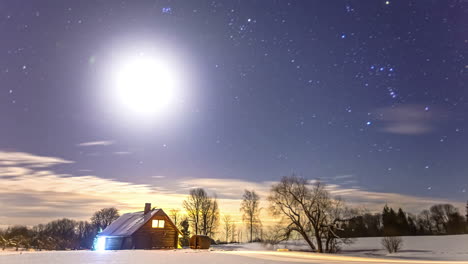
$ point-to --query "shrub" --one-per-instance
(392, 244)
(272, 236)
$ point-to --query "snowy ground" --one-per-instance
(442, 249)
(426, 247)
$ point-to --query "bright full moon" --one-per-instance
(145, 85)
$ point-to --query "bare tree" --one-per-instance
(210, 216)
(174, 214)
(287, 199)
(440, 214)
(227, 226)
(309, 210)
(202, 211)
(4, 242)
(193, 207)
(466, 217)
(250, 206)
(63, 233)
(425, 222)
(233, 233)
(86, 233)
(104, 217)
(392, 244)
(336, 214)
(276, 234)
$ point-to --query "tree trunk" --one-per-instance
(319, 240)
(307, 239)
(251, 230)
(327, 244)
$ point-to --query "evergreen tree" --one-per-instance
(402, 223)
(455, 224)
(184, 229)
(356, 227)
(390, 223)
(412, 228)
(373, 224)
(385, 218)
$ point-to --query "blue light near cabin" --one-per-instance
(100, 243)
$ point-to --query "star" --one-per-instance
(166, 10)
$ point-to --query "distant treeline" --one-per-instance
(59, 234)
(440, 219)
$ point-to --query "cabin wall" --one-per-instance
(148, 237)
(127, 243)
(114, 243)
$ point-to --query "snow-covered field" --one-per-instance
(426, 247)
(441, 249)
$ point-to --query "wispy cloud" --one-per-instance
(410, 119)
(29, 160)
(96, 143)
(31, 192)
(225, 188)
(121, 153)
(342, 177)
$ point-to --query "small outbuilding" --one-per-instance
(148, 229)
(200, 242)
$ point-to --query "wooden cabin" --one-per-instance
(148, 229)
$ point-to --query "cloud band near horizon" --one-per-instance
(32, 193)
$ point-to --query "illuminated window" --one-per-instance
(157, 224)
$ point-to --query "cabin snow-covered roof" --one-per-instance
(128, 223)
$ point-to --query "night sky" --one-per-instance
(365, 95)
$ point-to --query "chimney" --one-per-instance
(147, 207)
